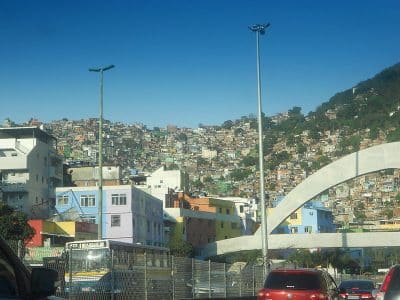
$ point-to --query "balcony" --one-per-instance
(55, 172)
(13, 187)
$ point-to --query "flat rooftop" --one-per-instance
(26, 132)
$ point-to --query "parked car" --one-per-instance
(390, 288)
(296, 284)
(19, 282)
(356, 289)
(205, 287)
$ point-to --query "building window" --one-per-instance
(241, 209)
(62, 200)
(293, 216)
(115, 220)
(308, 229)
(228, 212)
(118, 199)
(88, 201)
(222, 224)
(220, 210)
(294, 230)
(89, 219)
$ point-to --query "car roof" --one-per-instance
(300, 270)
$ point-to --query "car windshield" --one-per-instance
(362, 285)
(294, 281)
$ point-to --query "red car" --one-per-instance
(390, 288)
(299, 284)
(356, 289)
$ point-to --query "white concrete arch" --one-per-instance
(381, 157)
(376, 158)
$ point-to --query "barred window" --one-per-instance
(88, 201)
(115, 220)
(62, 200)
(89, 219)
(118, 199)
(293, 216)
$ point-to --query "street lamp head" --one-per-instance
(101, 69)
(94, 69)
(108, 67)
(259, 28)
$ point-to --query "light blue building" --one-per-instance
(313, 217)
(129, 214)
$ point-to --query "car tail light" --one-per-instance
(263, 294)
(318, 296)
(342, 295)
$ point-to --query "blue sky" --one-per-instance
(186, 62)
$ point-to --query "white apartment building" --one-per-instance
(30, 170)
(160, 181)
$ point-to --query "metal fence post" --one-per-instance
(173, 277)
(145, 275)
(193, 281)
(254, 280)
(112, 274)
(225, 281)
(209, 278)
(70, 271)
(240, 281)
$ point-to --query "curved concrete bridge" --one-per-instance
(381, 157)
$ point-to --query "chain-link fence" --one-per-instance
(178, 278)
(120, 275)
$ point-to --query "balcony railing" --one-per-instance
(13, 186)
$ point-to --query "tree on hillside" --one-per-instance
(178, 246)
(249, 161)
(14, 224)
(227, 124)
(240, 174)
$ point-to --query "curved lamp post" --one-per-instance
(100, 204)
(260, 29)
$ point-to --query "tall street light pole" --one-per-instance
(100, 204)
(260, 29)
